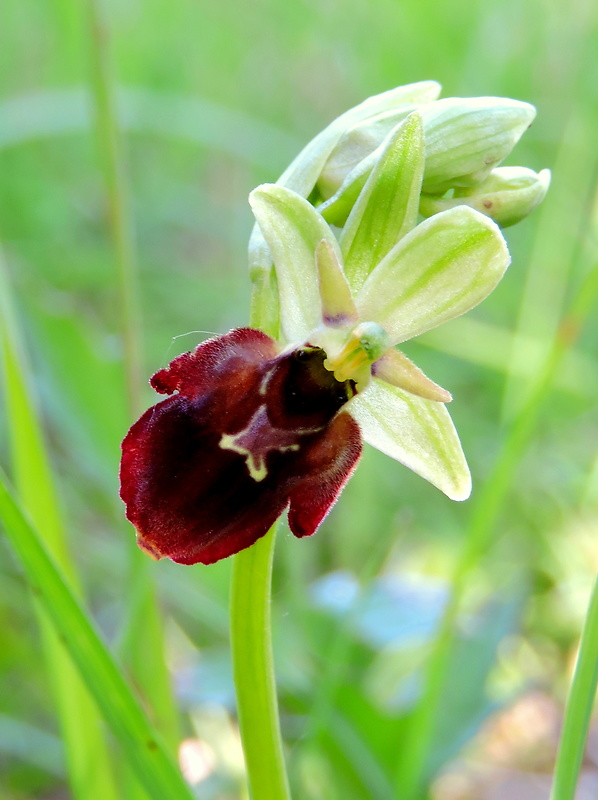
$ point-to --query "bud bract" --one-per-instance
(507, 195)
(466, 138)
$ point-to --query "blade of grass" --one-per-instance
(87, 756)
(548, 275)
(113, 171)
(579, 708)
(142, 643)
(141, 744)
(45, 113)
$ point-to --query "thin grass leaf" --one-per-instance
(140, 743)
(87, 757)
(579, 708)
(143, 639)
(489, 503)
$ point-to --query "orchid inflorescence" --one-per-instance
(343, 273)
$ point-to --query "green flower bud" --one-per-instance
(507, 195)
(465, 139)
(359, 141)
(302, 174)
(357, 144)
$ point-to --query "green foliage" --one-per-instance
(216, 99)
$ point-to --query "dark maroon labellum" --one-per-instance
(250, 431)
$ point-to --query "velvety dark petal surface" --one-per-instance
(328, 465)
(206, 472)
(240, 351)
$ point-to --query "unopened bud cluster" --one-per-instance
(465, 140)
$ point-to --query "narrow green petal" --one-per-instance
(386, 208)
(419, 433)
(395, 368)
(444, 267)
(293, 229)
(338, 307)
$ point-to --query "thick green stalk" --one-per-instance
(251, 634)
(579, 708)
(251, 642)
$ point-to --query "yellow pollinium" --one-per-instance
(366, 343)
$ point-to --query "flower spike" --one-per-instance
(253, 426)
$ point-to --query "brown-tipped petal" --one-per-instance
(395, 368)
(338, 307)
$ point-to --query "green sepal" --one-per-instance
(387, 206)
(441, 269)
(292, 229)
(417, 432)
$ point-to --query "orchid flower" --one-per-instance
(254, 425)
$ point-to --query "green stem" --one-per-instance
(251, 627)
(253, 668)
(579, 708)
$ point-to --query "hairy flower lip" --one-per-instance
(206, 472)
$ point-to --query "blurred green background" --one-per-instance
(214, 99)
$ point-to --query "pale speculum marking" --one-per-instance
(257, 440)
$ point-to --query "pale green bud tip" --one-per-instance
(508, 195)
(468, 137)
